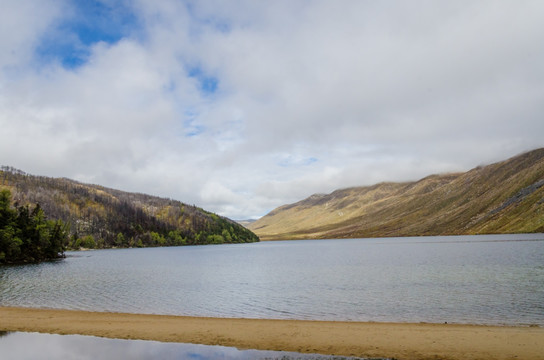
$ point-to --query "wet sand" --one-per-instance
(401, 341)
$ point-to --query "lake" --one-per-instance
(491, 279)
(66, 347)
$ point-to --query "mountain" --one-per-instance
(245, 222)
(505, 197)
(97, 216)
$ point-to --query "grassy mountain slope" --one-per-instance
(505, 197)
(108, 217)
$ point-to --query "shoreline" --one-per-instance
(402, 341)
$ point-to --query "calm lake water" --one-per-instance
(67, 347)
(462, 279)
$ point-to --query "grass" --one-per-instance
(450, 204)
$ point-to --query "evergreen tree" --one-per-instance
(27, 236)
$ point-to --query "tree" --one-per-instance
(9, 243)
(7, 214)
(226, 235)
(215, 239)
(120, 240)
(87, 242)
(175, 239)
(27, 236)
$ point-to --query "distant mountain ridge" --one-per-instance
(505, 197)
(245, 222)
(102, 217)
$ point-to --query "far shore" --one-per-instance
(401, 341)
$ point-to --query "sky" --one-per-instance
(242, 106)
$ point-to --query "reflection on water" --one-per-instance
(23, 346)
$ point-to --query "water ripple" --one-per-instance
(434, 280)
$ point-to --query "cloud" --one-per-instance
(22, 24)
(243, 106)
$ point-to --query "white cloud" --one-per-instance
(242, 106)
(22, 24)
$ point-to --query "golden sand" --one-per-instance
(393, 340)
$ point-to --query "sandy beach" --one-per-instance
(393, 340)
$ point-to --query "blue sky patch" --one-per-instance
(215, 21)
(310, 160)
(207, 84)
(89, 22)
(291, 160)
(190, 124)
(194, 130)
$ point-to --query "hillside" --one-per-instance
(505, 197)
(101, 217)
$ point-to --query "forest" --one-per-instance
(97, 217)
(26, 235)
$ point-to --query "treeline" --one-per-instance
(26, 235)
(99, 217)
